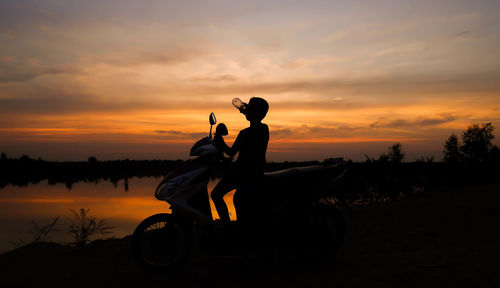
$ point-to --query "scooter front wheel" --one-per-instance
(160, 241)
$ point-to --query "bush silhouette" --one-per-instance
(39, 233)
(395, 154)
(83, 227)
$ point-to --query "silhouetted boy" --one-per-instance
(251, 144)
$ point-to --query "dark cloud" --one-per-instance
(461, 33)
(219, 78)
(58, 104)
(181, 135)
(306, 131)
(167, 57)
(53, 100)
(333, 104)
(383, 86)
(281, 133)
(174, 15)
(416, 123)
(17, 73)
(389, 91)
(39, 99)
(13, 71)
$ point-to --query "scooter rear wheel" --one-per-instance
(161, 242)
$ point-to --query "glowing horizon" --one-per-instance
(122, 79)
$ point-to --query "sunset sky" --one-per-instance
(138, 79)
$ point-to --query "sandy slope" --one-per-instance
(436, 239)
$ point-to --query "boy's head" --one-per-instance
(256, 109)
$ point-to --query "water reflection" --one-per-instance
(123, 204)
(43, 202)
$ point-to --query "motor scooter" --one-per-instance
(296, 216)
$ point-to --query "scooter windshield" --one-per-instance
(239, 104)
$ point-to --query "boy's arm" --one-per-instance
(234, 149)
(221, 143)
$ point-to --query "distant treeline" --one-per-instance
(472, 160)
(375, 179)
(24, 170)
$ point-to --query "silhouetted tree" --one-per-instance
(477, 142)
(4, 157)
(452, 151)
(395, 154)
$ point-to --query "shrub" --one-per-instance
(83, 227)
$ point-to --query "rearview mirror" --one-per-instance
(212, 119)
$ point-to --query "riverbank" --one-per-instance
(434, 239)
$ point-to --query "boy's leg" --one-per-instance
(225, 185)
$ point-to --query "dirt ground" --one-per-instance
(444, 238)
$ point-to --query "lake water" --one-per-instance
(122, 208)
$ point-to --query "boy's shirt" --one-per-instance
(251, 143)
